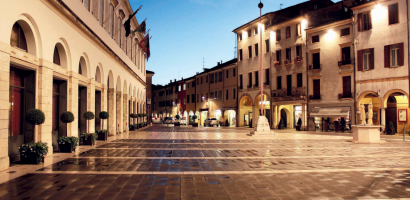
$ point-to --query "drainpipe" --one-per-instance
(354, 75)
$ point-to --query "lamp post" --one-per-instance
(260, 5)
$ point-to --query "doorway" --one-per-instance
(284, 117)
(59, 129)
(97, 110)
(391, 112)
(289, 85)
(82, 108)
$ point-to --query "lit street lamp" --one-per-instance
(260, 5)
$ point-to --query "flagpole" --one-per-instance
(260, 5)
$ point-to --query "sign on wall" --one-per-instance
(149, 101)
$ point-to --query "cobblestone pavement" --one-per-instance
(163, 162)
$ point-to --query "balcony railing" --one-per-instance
(298, 59)
(345, 96)
(315, 67)
(256, 85)
(287, 62)
(315, 97)
(249, 86)
(345, 62)
(277, 63)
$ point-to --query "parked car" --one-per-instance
(156, 120)
(183, 121)
(169, 120)
(211, 122)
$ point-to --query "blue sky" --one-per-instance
(186, 31)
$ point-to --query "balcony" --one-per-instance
(277, 63)
(315, 67)
(315, 97)
(345, 96)
(298, 59)
(282, 94)
(344, 62)
(287, 62)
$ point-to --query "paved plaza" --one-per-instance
(164, 162)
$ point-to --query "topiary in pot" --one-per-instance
(67, 117)
(35, 117)
(104, 115)
(88, 116)
(195, 123)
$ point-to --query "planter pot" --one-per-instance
(31, 159)
(102, 136)
(65, 148)
(132, 128)
(298, 128)
(195, 125)
(88, 141)
(139, 125)
(177, 124)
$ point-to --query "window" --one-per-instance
(257, 79)
(101, 13)
(240, 36)
(226, 95)
(278, 55)
(315, 38)
(179, 88)
(240, 54)
(220, 76)
(250, 51)
(206, 79)
(249, 32)
(289, 54)
(394, 57)
(212, 95)
(240, 81)
(256, 30)
(112, 20)
(316, 89)
(315, 7)
(184, 101)
(288, 32)
(289, 85)
(267, 81)
(345, 31)
(299, 51)
(266, 25)
(366, 57)
(346, 54)
(347, 89)
(364, 21)
(119, 31)
(193, 83)
(184, 86)
(234, 72)
(56, 57)
(87, 4)
(256, 50)
(316, 60)
(234, 93)
(250, 80)
(299, 80)
(18, 38)
(220, 94)
(267, 45)
(394, 14)
(212, 78)
(279, 82)
(298, 30)
(278, 35)
(227, 73)
(193, 98)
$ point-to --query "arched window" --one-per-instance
(56, 56)
(80, 70)
(18, 39)
(101, 13)
(112, 20)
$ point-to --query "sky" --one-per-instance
(184, 32)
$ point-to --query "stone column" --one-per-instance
(118, 123)
(275, 116)
(72, 87)
(126, 115)
(112, 111)
(4, 105)
(91, 105)
(45, 102)
(383, 116)
(104, 104)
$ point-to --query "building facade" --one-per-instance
(67, 56)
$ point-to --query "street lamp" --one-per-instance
(260, 5)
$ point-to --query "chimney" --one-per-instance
(170, 81)
(182, 78)
(219, 63)
(175, 80)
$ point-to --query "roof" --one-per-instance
(220, 66)
(150, 72)
(329, 15)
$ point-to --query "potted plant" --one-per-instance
(103, 134)
(195, 124)
(33, 153)
(88, 138)
(67, 144)
(177, 122)
(299, 124)
(67, 117)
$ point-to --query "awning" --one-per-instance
(203, 109)
(330, 112)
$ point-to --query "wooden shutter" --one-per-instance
(359, 22)
(370, 20)
(360, 60)
(371, 59)
(401, 54)
(387, 56)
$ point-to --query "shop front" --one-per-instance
(333, 119)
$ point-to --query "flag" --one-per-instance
(144, 44)
(140, 28)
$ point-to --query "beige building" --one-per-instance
(66, 56)
(190, 97)
(382, 67)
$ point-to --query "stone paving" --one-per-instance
(163, 162)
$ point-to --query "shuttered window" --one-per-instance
(393, 55)
(364, 21)
(249, 33)
(394, 13)
(240, 54)
(347, 89)
(316, 89)
(299, 80)
(279, 82)
(101, 13)
(278, 35)
(278, 56)
(250, 51)
(365, 59)
(288, 32)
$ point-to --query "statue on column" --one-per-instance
(362, 115)
(370, 108)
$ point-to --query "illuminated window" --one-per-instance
(366, 57)
(394, 57)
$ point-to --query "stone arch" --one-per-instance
(257, 95)
(288, 116)
(242, 98)
(390, 92)
(63, 53)
(98, 74)
(363, 95)
(31, 33)
(110, 80)
(85, 66)
(118, 86)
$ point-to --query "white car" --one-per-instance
(211, 122)
(182, 121)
